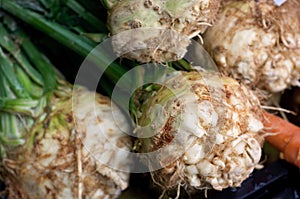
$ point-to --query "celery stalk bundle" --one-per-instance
(43, 140)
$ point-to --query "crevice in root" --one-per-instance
(4, 192)
(13, 189)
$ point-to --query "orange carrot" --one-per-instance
(285, 136)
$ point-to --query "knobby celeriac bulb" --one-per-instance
(163, 28)
(71, 153)
(204, 129)
(257, 42)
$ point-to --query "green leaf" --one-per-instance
(34, 90)
(88, 17)
(24, 106)
(41, 62)
(7, 72)
(7, 43)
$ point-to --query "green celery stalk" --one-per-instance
(90, 19)
(65, 37)
(9, 45)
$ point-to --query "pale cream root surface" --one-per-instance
(167, 26)
(68, 162)
(257, 43)
(207, 136)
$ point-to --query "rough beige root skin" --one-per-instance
(61, 158)
(169, 26)
(207, 136)
(257, 43)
